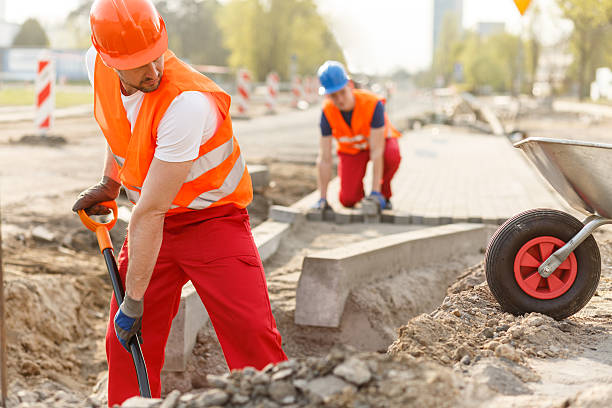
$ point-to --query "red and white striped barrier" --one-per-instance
(243, 82)
(311, 89)
(297, 90)
(45, 95)
(272, 85)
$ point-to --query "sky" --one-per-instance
(377, 36)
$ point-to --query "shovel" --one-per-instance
(106, 247)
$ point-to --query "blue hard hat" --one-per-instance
(332, 76)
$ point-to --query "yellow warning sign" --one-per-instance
(522, 5)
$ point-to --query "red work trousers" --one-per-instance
(352, 168)
(213, 248)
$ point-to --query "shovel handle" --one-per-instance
(101, 229)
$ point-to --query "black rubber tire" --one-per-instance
(516, 232)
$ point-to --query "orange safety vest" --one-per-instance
(218, 176)
(355, 138)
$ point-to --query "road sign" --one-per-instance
(522, 5)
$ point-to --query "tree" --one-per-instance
(31, 34)
(193, 30)
(193, 33)
(589, 38)
(265, 36)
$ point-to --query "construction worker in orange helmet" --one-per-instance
(170, 144)
(356, 119)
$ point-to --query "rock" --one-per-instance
(282, 392)
(325, 387)
(261, 378)
(507, 351)
(212, 397)
(491, 345)
(282, 374)
(239, 399)
(140, 402)
(42, 234)
(457, 313)
(171, 400)
(466, 360)
(354, 371)
(218, 381)
(27, 396)
(499, 379)
(29, 368)
(487, 332)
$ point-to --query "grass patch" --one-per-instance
(20, 96)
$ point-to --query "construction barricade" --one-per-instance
(243, 84)
(45, 95)
(272, 89)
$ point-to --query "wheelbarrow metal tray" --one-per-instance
(580, 171)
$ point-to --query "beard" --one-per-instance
(146, 86)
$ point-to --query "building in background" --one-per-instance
(441, 9)
(487, 28)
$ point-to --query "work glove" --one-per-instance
(128, 320)
(322, 204)
(106, 190)
(379, 198)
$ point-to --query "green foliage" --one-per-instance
(265, 36)
(590, 39)
(193, 31)
(261, 35)
(495, 62)
(31, 34)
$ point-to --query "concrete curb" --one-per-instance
(328, 277)
(191, 317)
(260, 175)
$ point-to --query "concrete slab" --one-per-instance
(281, 213)
(190, 318)
(267, 237)
(328, 277)
(260, 175)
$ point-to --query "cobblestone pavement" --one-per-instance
(450, 174)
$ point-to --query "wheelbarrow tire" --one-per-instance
(518, 231)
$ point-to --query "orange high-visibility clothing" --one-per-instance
(218, 176)
(355, 138)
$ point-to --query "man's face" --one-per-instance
(343, 99)
(145, 78)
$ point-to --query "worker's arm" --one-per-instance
(324, 164)
(111, 169)
(145, 230)
(377, 148)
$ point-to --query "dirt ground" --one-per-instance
(455, 349)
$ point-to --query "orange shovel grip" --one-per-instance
(101, 229)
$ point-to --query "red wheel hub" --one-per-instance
(531, 256)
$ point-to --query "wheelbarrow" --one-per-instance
(106, 247)
(545, 260)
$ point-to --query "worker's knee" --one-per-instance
(348, 202)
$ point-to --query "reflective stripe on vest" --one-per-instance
(200, 166)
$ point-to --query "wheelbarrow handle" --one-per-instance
(101, 229)
(106, 247)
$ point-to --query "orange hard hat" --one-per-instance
(127, 33)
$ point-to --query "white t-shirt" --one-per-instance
(190, 120)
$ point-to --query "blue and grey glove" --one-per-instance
(128, 320)
(322, 204)
(378, 197)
